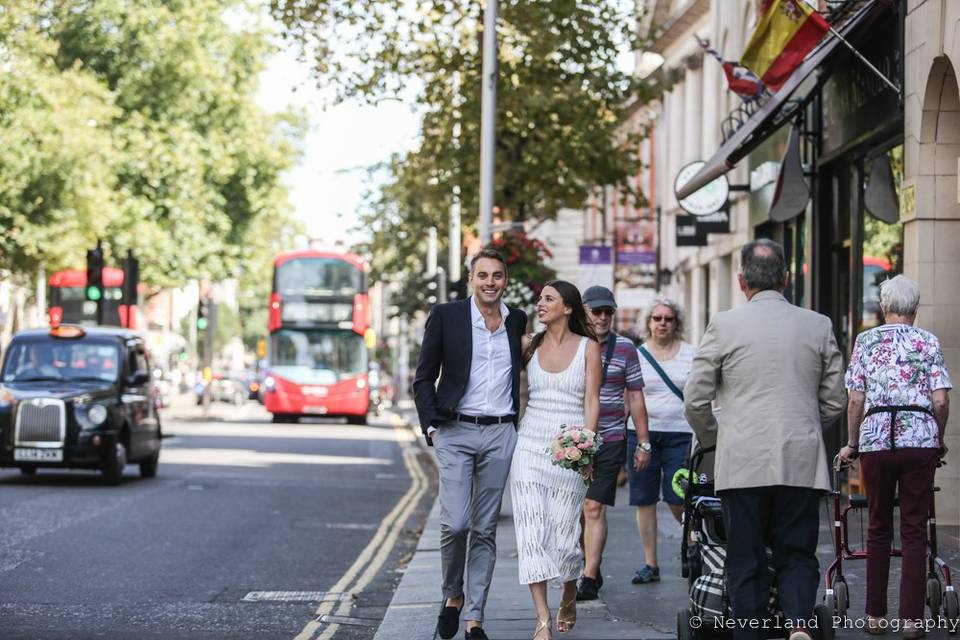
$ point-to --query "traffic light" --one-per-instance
(95, 274)
(203, 313)
(94, 292)
(435, 287)
(131, 281)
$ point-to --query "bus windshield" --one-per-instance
(318, 277)
(317, 357)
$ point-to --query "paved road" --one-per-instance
(325, 512)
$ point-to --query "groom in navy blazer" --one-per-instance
(470, 417)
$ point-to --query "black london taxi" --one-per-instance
(78, 397)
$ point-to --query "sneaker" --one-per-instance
(646, 574)
(588, 589)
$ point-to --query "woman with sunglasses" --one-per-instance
(665, 359)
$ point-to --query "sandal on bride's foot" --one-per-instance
(543, 625)
(567, 614)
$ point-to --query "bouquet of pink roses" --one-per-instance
(574, 448)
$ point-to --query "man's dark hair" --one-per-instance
(493, 254)
(763, 265)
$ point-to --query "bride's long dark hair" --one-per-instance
(577, 322)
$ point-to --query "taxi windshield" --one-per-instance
(51, 360)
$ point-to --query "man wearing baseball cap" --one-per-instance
(622, 381)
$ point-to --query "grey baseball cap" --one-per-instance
(597, 297)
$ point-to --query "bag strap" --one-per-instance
(663, 374)
(611, 345)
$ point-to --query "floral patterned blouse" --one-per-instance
(897, 364)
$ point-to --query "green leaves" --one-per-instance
(561, 100)
(134, 121)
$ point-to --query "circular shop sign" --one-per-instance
(709, 199)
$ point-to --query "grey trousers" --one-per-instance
(474, 462)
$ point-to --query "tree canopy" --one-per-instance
(134, 121)
(561, 101)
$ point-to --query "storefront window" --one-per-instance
(882, 249)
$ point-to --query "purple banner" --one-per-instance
(595, 254)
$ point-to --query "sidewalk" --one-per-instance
(509, 612)
(625, 610)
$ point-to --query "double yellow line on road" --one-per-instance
(375, 554)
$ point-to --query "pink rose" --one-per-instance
(583, 445)
(573, 454)
(559, 455)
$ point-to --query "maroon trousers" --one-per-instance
(884, 472)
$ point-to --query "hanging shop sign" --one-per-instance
(718, 222)
(689, 233)
(792, 195)
(709, 199)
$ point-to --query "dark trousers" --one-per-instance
(787, 520)
(912, 471)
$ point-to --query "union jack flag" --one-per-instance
(740, 80)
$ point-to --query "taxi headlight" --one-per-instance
(97, 414)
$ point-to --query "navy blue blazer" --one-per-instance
(446, 353)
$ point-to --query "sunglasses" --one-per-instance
(603, 312)
(666, 319)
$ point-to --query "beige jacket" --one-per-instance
(777, 376)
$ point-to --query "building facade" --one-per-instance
(879, 167)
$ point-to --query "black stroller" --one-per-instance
(703, 557)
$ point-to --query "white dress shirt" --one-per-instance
(490, 386)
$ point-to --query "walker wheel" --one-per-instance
(934, 596)
(824, 618)
(684, 630)
(951, 608)
(842, 597)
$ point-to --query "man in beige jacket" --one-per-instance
(776, 375)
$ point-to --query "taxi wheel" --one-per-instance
(113, 468)
(28, 471)
(360, 420)
(148, 468)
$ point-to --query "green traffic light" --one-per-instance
(93, 293)
(201, 324)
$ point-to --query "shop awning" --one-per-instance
(779, 108)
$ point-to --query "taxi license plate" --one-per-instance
(314, 409)
(39, 455)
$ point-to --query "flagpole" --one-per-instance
(864, 60)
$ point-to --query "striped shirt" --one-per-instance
(624, 373)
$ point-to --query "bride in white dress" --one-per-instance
(563, 378)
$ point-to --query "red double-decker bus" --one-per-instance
(318, 321)
(67, 299)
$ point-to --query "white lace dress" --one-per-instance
(547, 500)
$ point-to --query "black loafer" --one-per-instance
(588, 589)
(477, 633)
(448, 622)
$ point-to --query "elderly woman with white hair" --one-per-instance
(897, 412)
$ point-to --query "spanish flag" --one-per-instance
(786, 32)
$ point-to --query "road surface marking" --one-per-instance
(252, 458)
(377, 550)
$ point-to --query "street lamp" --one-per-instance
(488, 116)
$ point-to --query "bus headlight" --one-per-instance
(97, 414)
(269, 382)
(361, 383)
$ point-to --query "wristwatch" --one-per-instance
(646, 447)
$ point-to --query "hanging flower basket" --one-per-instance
(525, 266)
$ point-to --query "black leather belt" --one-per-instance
(484, 420)
(893, 411)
